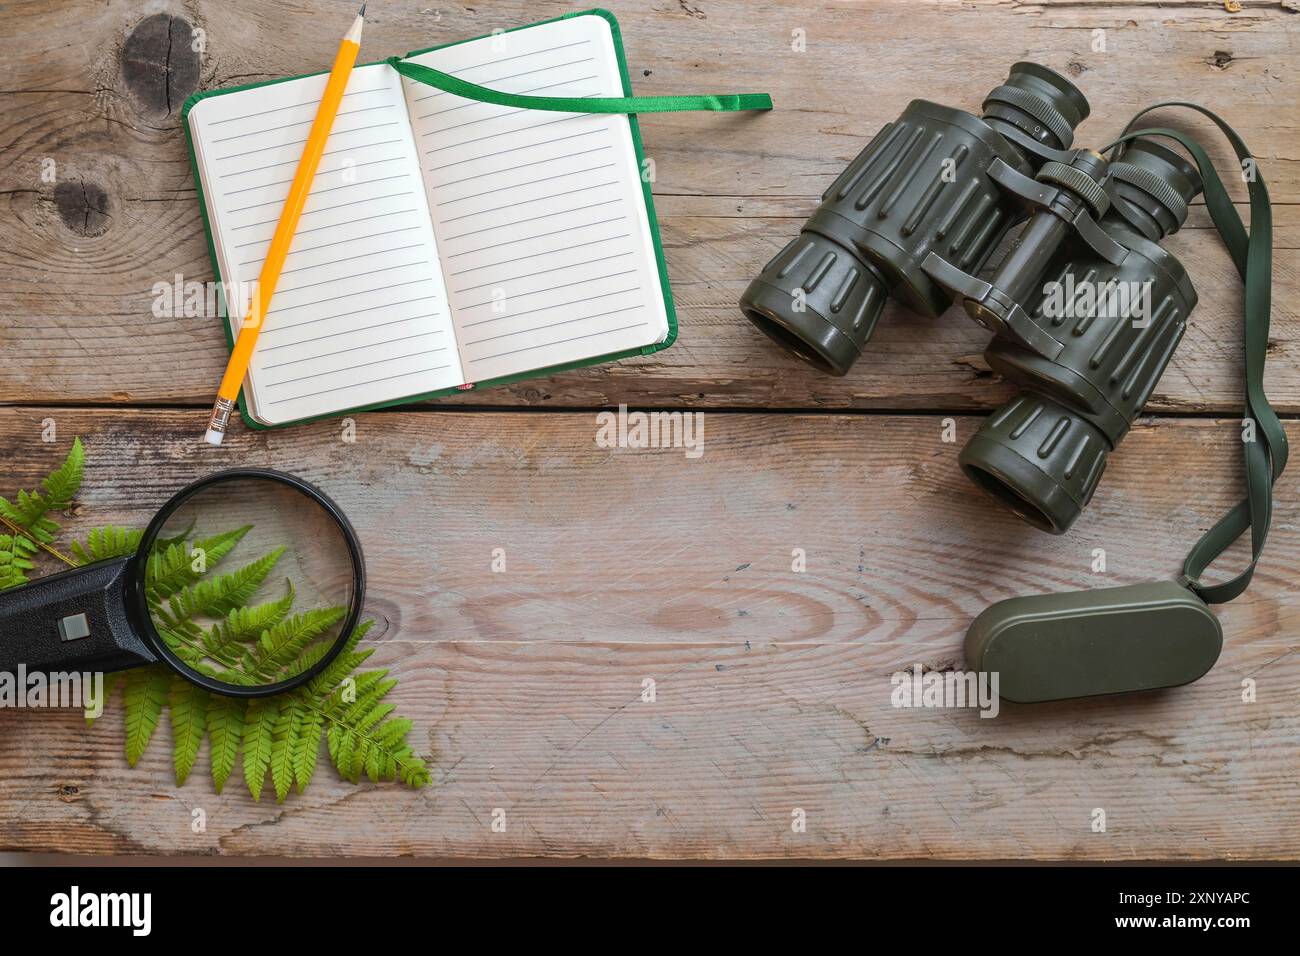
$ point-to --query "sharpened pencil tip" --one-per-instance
(362, 11)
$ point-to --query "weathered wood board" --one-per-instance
(772, 686)
(97, 90)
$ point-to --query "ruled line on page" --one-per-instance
(351, 385)
(362, 255)
(309, 212)
(497, 61)
(294, 161)
(503, 112)
(299, 142)
(553, 325)
(303, 232)
(515, 149)
(517, 222)
(510, 169)
(280, 328)
(279, 200)
(306, 122)
(349, 368)
(531, 182)
(355, 275)
(319, 173)
(352, 348)
(345, 332)
(540, 235)
(513, 76)
(531, 89)
(547, 308)
(548, 252)
(571, 118)
(550, 288)
(349, 295)
(542, 345)
(529, 275)
(336, 242)
(383, 87)
(510, 205)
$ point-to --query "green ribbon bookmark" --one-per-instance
(727, 102)
(1266, 455)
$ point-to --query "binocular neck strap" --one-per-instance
(728, 102)
(1264, 439)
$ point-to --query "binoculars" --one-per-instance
(1085, 306)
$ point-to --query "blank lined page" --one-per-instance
(540, 217)
(360, 313)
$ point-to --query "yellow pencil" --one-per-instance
(284, 230)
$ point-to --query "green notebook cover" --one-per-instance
(669, 308)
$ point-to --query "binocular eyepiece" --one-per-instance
(1086, 308)
(920, 186)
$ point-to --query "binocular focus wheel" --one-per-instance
(1079, 183)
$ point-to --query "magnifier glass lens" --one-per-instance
(249, 582)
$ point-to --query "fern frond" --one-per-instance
(166, 541)
(171, 566)
(284, 744)
(353, 742)
(307, 746)
(349, 659)
(280, 735)
(389, 736)
(30, 510)
(358, 738)
(15, 560)
(356, 742)
(107, 542)
(146, 692)
(167, 569)
(341, 706)
(307, 659)
(188, 707)
(222, 594)
(248, 623)
(412, 769)
(65, 481)
(279, 647)
(259, 734)
(225, 733)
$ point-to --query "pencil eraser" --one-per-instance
(213, 437)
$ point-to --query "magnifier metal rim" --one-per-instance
(150, 633)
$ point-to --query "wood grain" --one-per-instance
(772, 687)
(79, 256)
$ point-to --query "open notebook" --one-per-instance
(447, 243)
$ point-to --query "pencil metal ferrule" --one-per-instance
(221, 412)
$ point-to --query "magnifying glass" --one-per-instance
(247, 583)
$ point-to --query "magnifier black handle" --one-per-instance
(75, 620)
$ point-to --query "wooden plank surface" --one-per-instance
(773, 687)
(97, 87)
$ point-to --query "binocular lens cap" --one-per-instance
(1089, 643)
